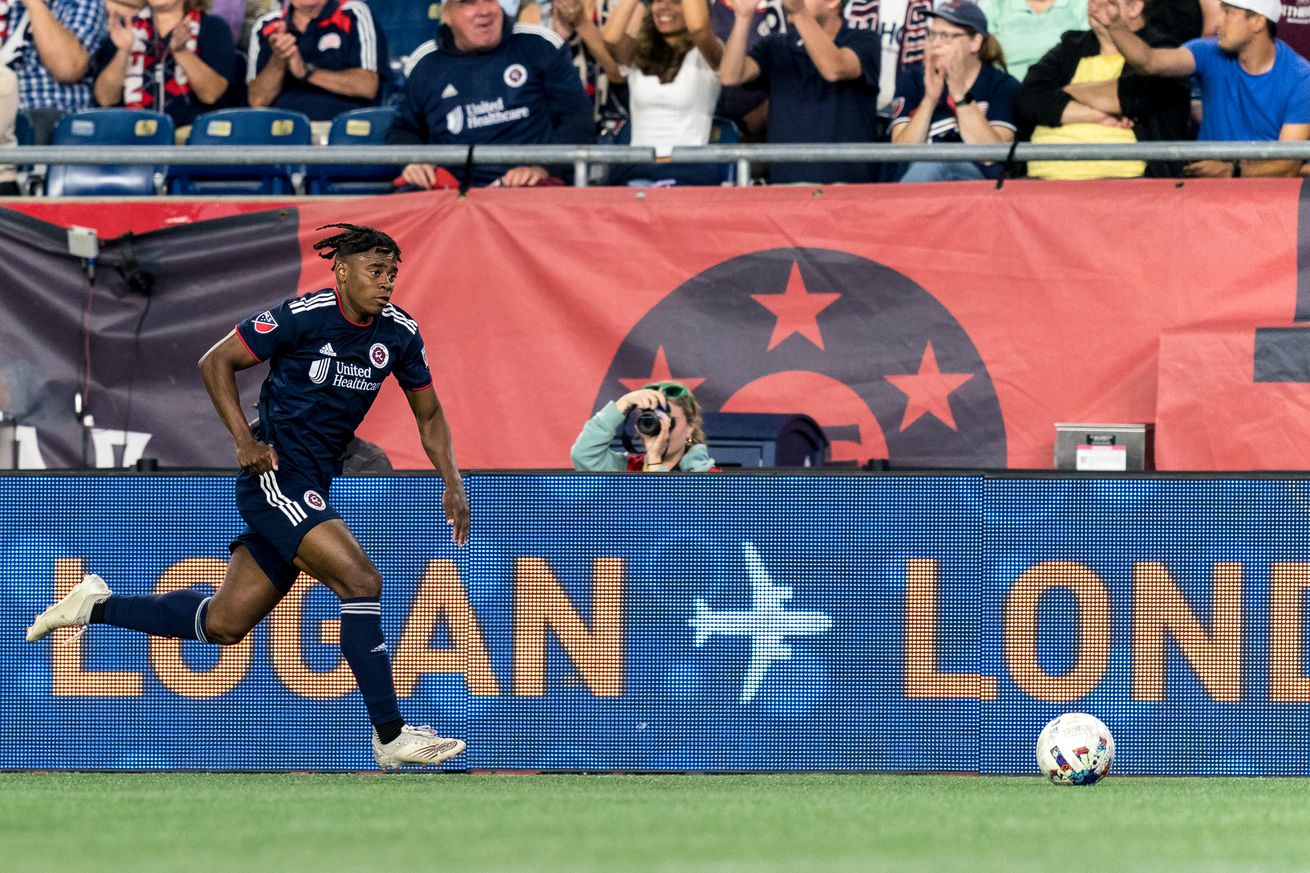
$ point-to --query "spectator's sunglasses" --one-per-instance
(673, 392)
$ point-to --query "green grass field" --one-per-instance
(362, 822)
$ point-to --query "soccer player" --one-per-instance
(328, 354)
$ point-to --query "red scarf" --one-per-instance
(153, 56)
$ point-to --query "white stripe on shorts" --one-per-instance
(273, 494)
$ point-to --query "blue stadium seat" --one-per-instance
(126, 127)
(29, 181)
(242, 127)
(356, 127)
(724, 132)
(406, 24)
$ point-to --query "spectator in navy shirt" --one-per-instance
(319, 57)
(960, 93)
(170, 57)
(822, 80)
(487, 81)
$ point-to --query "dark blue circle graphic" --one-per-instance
(866, 327)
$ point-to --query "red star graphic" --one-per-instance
(929, 390)
(660, 372)
(797, 310)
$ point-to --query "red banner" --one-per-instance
(934, 325)
(937, 325)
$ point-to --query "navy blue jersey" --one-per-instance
(804, 107)
(324, 372)
(994, 91)
(525, 91)
(342, 37)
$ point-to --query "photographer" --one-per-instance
(668, 424)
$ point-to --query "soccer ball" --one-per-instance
(1075, 749)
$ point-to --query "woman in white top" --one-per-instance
(670, 57)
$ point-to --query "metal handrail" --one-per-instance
(581, 157)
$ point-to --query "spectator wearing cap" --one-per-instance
(487, 81)
(822, 80)
(319, 57)
(1253, 85)
(960, 93)
(49, 45)
(1081, 92)
(1028, 29)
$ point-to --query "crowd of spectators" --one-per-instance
(669, 73)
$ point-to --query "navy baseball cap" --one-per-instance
(963, 13)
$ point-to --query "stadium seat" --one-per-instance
(406, 24)
(29, 179)
(242, 127)
(724, 132)
(356, 127)
(126, 127)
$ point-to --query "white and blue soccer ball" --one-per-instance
(1075, 749)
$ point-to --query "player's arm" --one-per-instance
(434, 432)
(218, 369)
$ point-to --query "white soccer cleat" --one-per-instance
(73, 609)
(415, 745)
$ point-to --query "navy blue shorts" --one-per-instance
(279, 508)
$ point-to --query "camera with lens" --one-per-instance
(649, 420)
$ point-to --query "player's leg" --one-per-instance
(244, 598)
(331, 554)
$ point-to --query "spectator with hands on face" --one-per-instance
(678, 443)
(960, 93)
(1081, 91)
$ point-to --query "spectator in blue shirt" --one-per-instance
(485, 80)
(170, 57)
(960, 93)
(1253, 85)
(319, 57)
(49, 44)
(822, 80)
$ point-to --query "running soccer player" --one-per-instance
(328, 353)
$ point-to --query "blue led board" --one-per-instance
(927, 623)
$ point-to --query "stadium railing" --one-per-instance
(582, 157)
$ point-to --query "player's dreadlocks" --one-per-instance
(354, 239)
